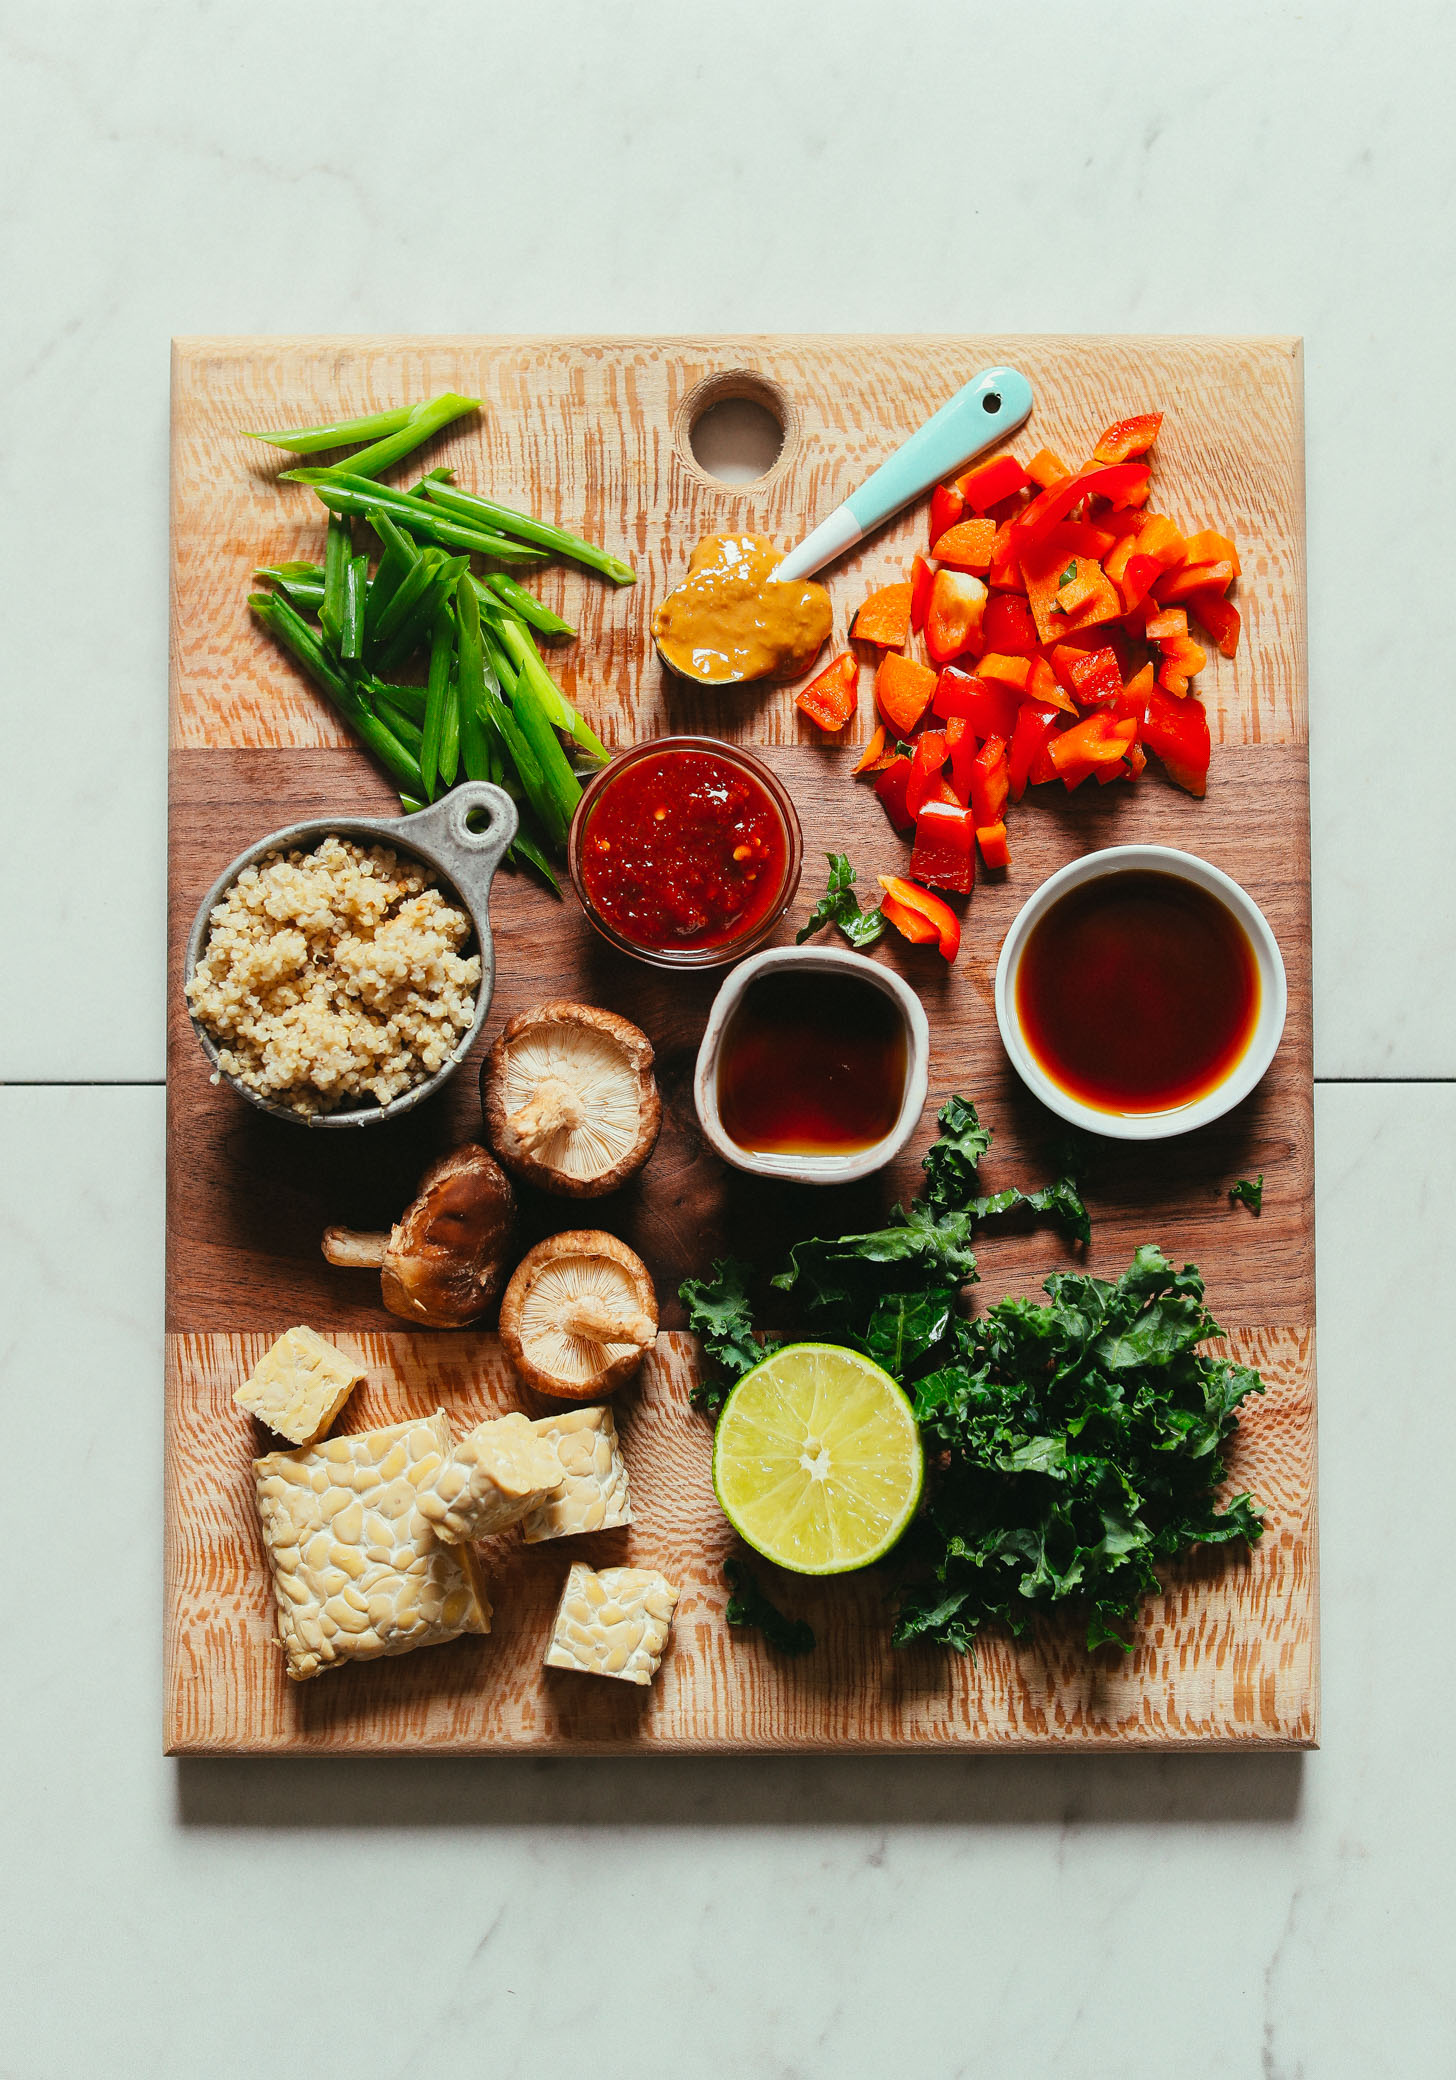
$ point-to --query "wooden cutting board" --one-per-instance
(595, 434)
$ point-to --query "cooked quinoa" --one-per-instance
(334, 975)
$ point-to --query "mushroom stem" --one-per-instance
(601, 1322)
(553, 1108)
(352, 1247)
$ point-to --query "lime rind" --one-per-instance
(817, 1459)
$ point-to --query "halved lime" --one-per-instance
(817, 1460)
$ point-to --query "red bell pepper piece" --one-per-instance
(960, 741)
(892, 784)
(922, 577)
(1125, 437)
(1176, 731)
(1007, 625)
(910, 924)
(990, 482)
(994, 849)
(945, 848)
(953, 618)
(966, 546)
(923, 905)
(946, 507)
(990, 782)
(903, 688)
(1220, 617)
(989, 706)
(832, 698)
(1139, 575)
(1095, 676)
(884, 619)
(1112, 481)
(926, 761)
(1034, 724)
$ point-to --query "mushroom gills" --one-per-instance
(580, 1316)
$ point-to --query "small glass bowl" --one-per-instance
(691, 956)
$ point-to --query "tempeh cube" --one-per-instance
(593, 1495)
(357, 1570)
(299, 1385)
(497, 1473)
(613, 1623)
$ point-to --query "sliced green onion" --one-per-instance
(309, 440)
(423, 423)
(356, 595)
(526, 607)
(527, 660)
(558, 540)
(337, 549)
(437, 694)
(294, 633)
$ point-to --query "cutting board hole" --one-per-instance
(736, 428)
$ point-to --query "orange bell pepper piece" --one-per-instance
(1007, 671)
(993, 847)
(1194, 577)
(907, 922)
(1043, 687)
(878, 753)
(1126, 437)
(1159, 538)
(1045, 572)
(903, 690)
(884, 619)
(953, 618)
(1096, 742)
(1209, 546)
(832, 698)
(966, 546)
(1164, 626)
(1046, 468)
(929, 909)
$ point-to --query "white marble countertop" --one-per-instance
(175, 168)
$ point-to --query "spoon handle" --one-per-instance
(986, 411)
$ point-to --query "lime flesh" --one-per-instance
(817, 1460)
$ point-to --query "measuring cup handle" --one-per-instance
(444, 835)
(983, 412)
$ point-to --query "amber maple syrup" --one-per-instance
(811, 1063)
(1138, 992)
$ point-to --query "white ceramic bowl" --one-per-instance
(1269, 1024)
(810, 1169)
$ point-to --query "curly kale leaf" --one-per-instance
(1251, 1191)
(721, 1315)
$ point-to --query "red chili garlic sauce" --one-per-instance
(1137, 992)
(682, 851)
(811, 1064)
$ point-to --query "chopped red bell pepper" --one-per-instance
(922, 577)
(1094, 674)
(966, 546)
(990, 782)
(1139, 574)
(989, 707)
(960, 742)
(953, 619)
(1034, 724)
(1007, 625)
(903, 688)
(892, 784)
(924, 906)
(1220, 617)
(944, 853)
(994, 849)
(884, 619)
(832, 698)
(1125, 437)
(946, 507)
(990, 482)
(1176, 732)
(1111, 481)
(926, 761)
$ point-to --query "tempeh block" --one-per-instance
(498, 1472)
(299, 1385)
(613, 1623)
(593, 1495)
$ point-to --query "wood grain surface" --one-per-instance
(595, 433)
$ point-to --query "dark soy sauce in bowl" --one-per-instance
(1137, 992)
(811, 1064)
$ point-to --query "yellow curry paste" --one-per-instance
(731, 620)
